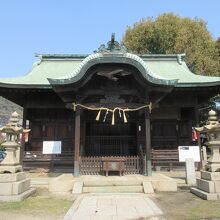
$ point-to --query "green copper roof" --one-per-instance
(45, 68)
(125, 58)
(173, 69)
(158, 69)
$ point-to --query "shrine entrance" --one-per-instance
(104, 139)
(123, 141)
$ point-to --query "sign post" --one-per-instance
(189, 155)
(189, 152)
(52, 147)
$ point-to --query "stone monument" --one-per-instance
(208, 186)
(190, 172)
(14, 185)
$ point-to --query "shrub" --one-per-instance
(1, 142)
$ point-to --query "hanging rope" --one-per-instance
(99, 109)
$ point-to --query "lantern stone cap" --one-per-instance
(212, 123)
(212, 113)
(15, 115)
(12, 126)
(208, 128)
(7, 129)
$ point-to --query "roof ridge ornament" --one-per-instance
(180, 58)
(112, 46)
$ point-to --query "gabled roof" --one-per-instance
(69, 68)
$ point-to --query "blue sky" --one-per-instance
(80, 26)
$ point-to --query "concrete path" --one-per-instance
(113, 207)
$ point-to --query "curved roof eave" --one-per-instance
(24, 86)
(202, 84)
(125, 58)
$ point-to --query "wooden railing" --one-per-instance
(134, 165)
(90, 165)
(93, 165)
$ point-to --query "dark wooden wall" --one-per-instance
(51, 125)
(171, 126)
(167, 134)
(169, 129)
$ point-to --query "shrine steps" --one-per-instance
(113, 189)
(68, 183)
(113, 186)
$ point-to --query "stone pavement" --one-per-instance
(113, 207)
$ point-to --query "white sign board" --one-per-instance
(51, 147)
(189, 152)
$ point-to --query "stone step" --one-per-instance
(113, 189)
(208, 186)
(63, 170)
(205, 195)
(95, 183)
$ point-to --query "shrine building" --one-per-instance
(111, 103)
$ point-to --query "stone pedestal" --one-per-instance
(14, 187)
(213, 163)
(10, 169)
(208, 186)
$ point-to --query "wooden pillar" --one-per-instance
(77, 143)
(148, 168)
(21, 149)
(82, 134)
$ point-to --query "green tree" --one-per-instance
(171, 34)
(218, 46)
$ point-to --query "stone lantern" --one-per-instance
(14, 185)
(10, 164)
(212, 129)
(208, 186)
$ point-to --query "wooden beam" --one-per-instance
(109, 105)
(46, 105)
(77, 143)
(120, 90)
(147, 145)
